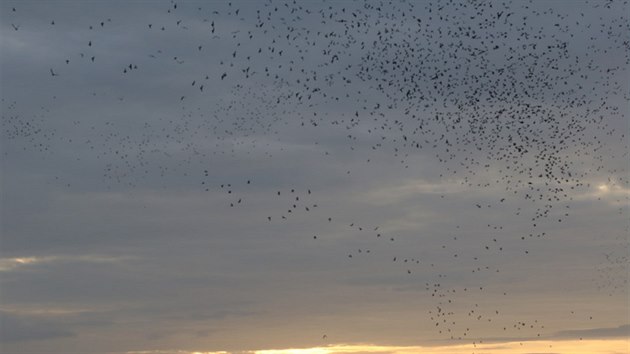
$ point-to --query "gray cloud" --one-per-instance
(23, 329)
(595, 333)
(114, 239)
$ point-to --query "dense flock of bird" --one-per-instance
(529, 94)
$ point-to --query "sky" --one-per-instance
(314, 177)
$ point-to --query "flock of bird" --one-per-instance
(516, 90)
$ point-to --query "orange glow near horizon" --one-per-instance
(592, 346)
(611, 346)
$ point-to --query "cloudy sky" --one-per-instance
(320, 176)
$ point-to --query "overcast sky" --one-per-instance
(239, 176)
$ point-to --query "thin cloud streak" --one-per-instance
(9, 264)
